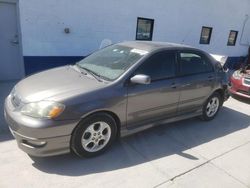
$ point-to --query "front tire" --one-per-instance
(94, 135)
(211, 107)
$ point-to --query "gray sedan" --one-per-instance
(116, 91)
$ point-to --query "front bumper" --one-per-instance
(39, 137)
(43, 147)
(237, 87)
(239, 93)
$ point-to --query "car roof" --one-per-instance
(153, 45)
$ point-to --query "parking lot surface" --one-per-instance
(190, 153)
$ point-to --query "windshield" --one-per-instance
(111, 62)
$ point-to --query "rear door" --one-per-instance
(157, 100)
(196, 78)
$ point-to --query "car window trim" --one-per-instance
(196, 53)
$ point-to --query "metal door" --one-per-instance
(11, 64)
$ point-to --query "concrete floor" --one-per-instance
(189, 153)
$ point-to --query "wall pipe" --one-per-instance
(243, 29)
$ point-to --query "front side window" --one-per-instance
(159, 66)
(206, 33)
(192, 63)
(144, 29)
(111, 62)
(232, 38)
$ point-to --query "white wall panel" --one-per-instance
(91, 21)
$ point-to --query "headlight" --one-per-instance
(237, 75)
(43, 109)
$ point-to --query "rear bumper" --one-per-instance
(226, 94)
(39, 137)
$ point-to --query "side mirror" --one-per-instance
(140, 79)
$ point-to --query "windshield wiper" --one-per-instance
(88, 71)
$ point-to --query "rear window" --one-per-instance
(192, 63)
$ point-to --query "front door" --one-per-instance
(11, 64)
(157, 100)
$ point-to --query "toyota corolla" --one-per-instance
(116, 91)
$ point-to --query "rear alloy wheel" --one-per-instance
(94, 135)
(211, 107)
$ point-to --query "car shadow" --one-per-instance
(148, 145)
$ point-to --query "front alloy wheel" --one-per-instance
(94, 135)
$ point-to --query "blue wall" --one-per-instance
(35, 64)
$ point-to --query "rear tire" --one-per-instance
(211, 107)
(94, 135)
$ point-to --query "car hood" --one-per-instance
(54, 82)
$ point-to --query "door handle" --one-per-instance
(15, 41)
(185, 85)
(210, 78)
(173, 85)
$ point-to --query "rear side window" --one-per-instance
(192, 63)
(159, 66)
